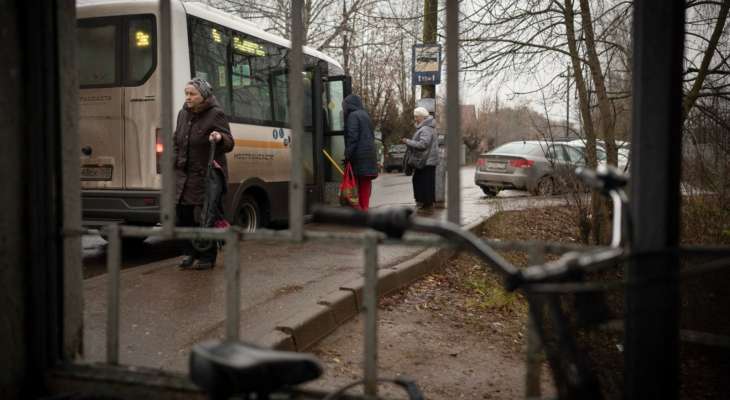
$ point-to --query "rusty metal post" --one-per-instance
(296, 110)
(453, 113)
(113, 262)
(233, 285)
(651, 362)
(167, 194)
(533, 362)
(370, 303)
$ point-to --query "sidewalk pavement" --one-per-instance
(292, 294)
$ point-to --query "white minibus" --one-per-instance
(119, 73)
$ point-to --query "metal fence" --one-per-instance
(233, 236)
(369, 240)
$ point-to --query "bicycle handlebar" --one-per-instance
(392, 221)
(395, 221)
(605, 178)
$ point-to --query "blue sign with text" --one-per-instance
(426, 64)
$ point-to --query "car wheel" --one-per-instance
(489, 191)
(545, 186)
(248, 216)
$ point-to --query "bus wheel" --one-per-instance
(249, 216)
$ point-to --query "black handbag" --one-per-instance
(407, 167)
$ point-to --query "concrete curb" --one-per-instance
(304, 330)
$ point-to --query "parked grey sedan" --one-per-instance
(531, 165)
(394, 158)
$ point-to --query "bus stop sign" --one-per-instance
(426, 64)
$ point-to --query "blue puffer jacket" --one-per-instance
(359, 138)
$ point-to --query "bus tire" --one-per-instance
(248, 214)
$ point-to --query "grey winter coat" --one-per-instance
(359, 138)
(424, 145)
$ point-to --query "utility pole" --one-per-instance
(345, 50)
(567, 102)
(430, 12)
(496, 119)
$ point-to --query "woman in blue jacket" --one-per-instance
(360, 147)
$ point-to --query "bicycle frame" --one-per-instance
(573, 375)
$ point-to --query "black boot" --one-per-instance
(207, 258)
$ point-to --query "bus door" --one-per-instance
(312, 124)
(101, 99)
(142, 141)
(336, 88)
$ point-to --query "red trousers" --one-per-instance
(364, 188)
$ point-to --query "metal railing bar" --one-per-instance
(453, 113)
(686, 335)
(370, 304)
(233, 285)
(113, 260)
(167, 195)
(175, 233)
(413, 240)
(296, 96)
(533, 360)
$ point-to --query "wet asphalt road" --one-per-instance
(390, 189)
(164, 311)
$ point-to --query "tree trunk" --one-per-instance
(605, 116)
(605, 121)
(691, 97)
(585, 112)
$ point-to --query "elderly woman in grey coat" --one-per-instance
(423, 157)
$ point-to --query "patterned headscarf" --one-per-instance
(202, 85)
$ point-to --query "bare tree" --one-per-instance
(325, 21)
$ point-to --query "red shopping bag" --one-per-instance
(348, 188)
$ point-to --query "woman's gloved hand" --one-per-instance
(215, 136)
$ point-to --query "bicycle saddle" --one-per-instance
(224, 369)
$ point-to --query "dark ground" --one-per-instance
(460, 336)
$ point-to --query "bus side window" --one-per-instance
(209, 54)
(280, 82)
(251, 62)
(335, 95)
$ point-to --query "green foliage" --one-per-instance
(488, 293)
(705, 220)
